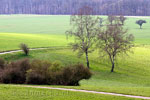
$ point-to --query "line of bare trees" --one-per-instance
(100, 7)
(111, 38)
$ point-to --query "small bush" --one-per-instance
(56, 66)
(38, 74)
(70, 75)
(25, 49)
(35, 78)
(24, 65)
(67, 75)
(15, 72)
(73, 74)
(12, 76)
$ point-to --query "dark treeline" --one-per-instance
(100, 7)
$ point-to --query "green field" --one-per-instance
(34, 24)
(45, 31)
(11, 41)
(132, 73)
(19, 93)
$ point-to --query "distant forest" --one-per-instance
(65, 7)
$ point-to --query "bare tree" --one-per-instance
(140, 23)
(101, 20)
(114, 40)
(111, 19)
(122, 19)
(84, 32)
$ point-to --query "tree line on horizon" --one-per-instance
(67, 7)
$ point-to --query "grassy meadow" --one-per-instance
(11, 41)
(20, 93)
(132, 72)
(46, 31)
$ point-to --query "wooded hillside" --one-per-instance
(103, 7)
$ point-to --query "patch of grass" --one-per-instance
(8, 92)
(142, 36)
(12, 41)
(46, 24)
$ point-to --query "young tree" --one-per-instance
(122, 19)
(84, 32)
(101, 20)
(111, 19)
(114, 40)
(25, 49)
(140, 23)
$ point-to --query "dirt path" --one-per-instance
(87, 91)
(13, 51)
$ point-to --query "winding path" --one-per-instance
(87, 91)
(14, 51)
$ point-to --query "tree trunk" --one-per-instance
(87, 60)
(140, 26)
(113, 64)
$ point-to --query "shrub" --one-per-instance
(25, 49)
(35, 78)
(42, 72)
(2, 63)
(72, 75)
(15, 72)
(24, 65)
(12, 76)
(56, 66)
(45, 72)
(39, 72)
(67, 75)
